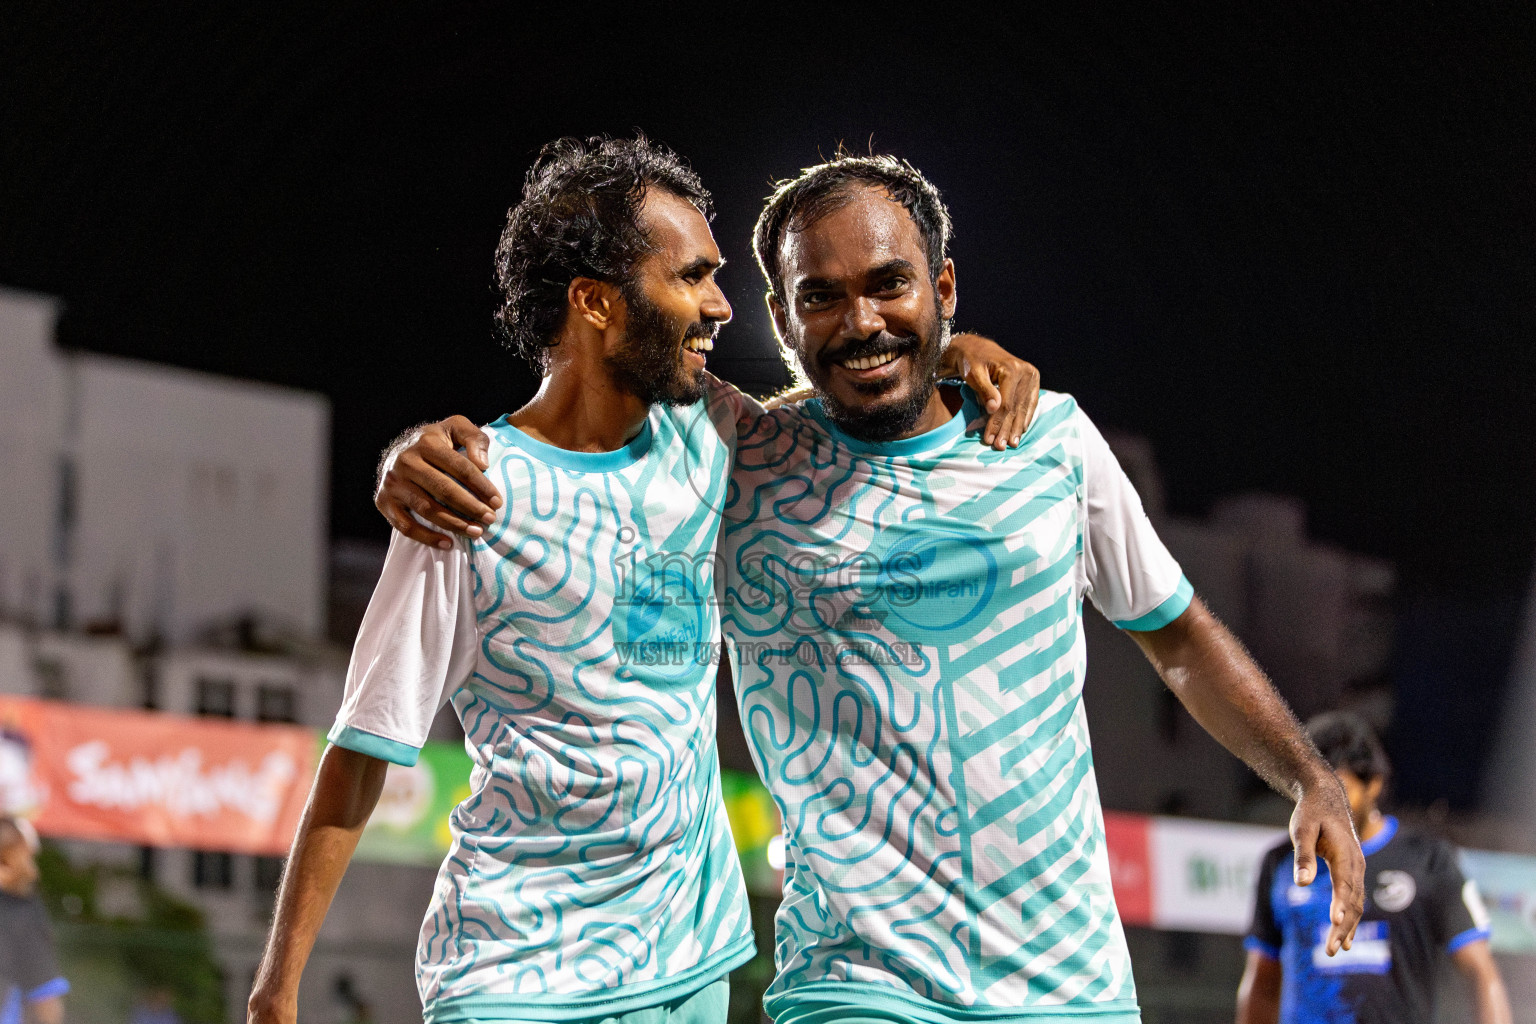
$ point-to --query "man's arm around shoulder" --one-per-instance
(423, 473)
(345, 792)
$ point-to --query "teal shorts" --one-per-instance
(872, 1009)
(829, 1013)
(708, 1005)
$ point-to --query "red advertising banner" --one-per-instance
(1130, 868)
(155, 779)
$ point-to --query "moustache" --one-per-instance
(874, 345)
(709, 329)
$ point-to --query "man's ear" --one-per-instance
(944, 284)
(776, 313)
(596, 302)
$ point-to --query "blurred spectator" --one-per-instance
(1418, 908)
(30, 979)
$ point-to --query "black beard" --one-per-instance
(648, 364)
(887, 421)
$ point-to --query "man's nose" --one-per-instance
(863, 319)
(715, 307)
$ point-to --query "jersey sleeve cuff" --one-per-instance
(1257, 945)
(1468, 937)
(1170, 609)
(354, 739)
(48, 990)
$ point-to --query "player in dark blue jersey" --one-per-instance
(1418, 908)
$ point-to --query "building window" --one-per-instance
(216, 697)
(275, 702)
(52, 679)
(224, 488)
(212, 870)
(269, 872)
(149, 685)
(213, 485)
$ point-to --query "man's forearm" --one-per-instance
(1492, 1001)
(345, 792)
(1214, 677)
(1258, 994)
(1256, 1009)
(1476, 962)
(1231, 697)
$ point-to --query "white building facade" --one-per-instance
(152, 501)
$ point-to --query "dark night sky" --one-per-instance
(1295, 252)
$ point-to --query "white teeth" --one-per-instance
(699, 345)
(870, 362)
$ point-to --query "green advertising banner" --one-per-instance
(755, 827)
(410, 825)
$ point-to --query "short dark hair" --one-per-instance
(1348, 743)
(798, 203)
(579, 217)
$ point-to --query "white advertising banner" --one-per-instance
(1203, 873)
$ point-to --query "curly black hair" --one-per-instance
(579, 217)
(1347, 742)
(798, 203)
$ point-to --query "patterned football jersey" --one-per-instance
(592, 869)
(904, 623)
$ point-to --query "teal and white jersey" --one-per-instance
(904, 623)
(592, 869)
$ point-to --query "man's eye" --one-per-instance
(893, 284)
(815, 298)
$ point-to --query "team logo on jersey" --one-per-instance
(660, 619)
(1395, 890)
(932, 575)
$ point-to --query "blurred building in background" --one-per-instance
(154, 502)
(1317, 618)
(166, 547)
